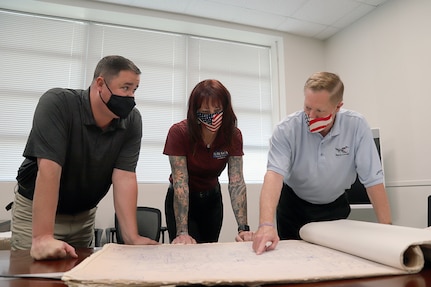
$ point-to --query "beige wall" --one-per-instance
(384, 60)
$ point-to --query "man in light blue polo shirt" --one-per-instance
(314, 157)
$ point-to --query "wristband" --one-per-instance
(266, 224)
(243, 227)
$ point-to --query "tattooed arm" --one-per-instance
(181, 198)
(238, 195)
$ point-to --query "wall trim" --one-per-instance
(408, 183)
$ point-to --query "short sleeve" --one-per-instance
(177, 140)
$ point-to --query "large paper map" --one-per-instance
(236, 263)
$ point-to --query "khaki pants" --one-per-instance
(77, 230)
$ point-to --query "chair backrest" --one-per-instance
(429, 210)
(149, 223)
(98, 233)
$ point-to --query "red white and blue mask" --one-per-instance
(211, 121)
(316, 125)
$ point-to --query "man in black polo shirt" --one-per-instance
(81, 142)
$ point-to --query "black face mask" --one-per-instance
(119, 105)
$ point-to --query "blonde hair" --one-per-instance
(326, 81)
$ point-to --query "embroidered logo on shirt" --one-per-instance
(220, 154)
(340, 151)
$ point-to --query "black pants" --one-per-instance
(205, 215)
(294, 212)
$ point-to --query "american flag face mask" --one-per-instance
(211, 121)
(316, 125)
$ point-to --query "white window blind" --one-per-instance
(39, 53)
(36, 54)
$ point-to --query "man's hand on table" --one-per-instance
(47, 247)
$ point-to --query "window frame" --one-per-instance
(277, 102)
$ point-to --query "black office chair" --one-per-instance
(429, 210)
(149, 225)
(98, 232)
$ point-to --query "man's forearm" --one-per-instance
(45, 198)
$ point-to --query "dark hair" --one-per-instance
(110, 66)
(212, 91)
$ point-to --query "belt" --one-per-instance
(206, 193)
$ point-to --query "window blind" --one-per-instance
(36, 54)
(39, 53)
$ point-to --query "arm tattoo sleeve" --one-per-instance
(181, 191)
(237, 189)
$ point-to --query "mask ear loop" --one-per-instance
(339, 105)
(100, 92)
(108, 87)
(100, 95)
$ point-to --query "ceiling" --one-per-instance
(318, 19)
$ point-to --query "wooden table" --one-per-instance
(20, 262)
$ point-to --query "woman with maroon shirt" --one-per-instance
(199, 148)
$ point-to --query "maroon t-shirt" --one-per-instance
(204, 165)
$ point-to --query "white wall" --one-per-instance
(384, 60)
(303, 56)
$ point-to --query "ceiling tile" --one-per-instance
(353, 16)
(177, 6)
(309, 18)
(238, 3)
(325, 12)
(373, 2)
(259, 19)
(326, 33)
(302, 28)
(213, 10)
(278, 7)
